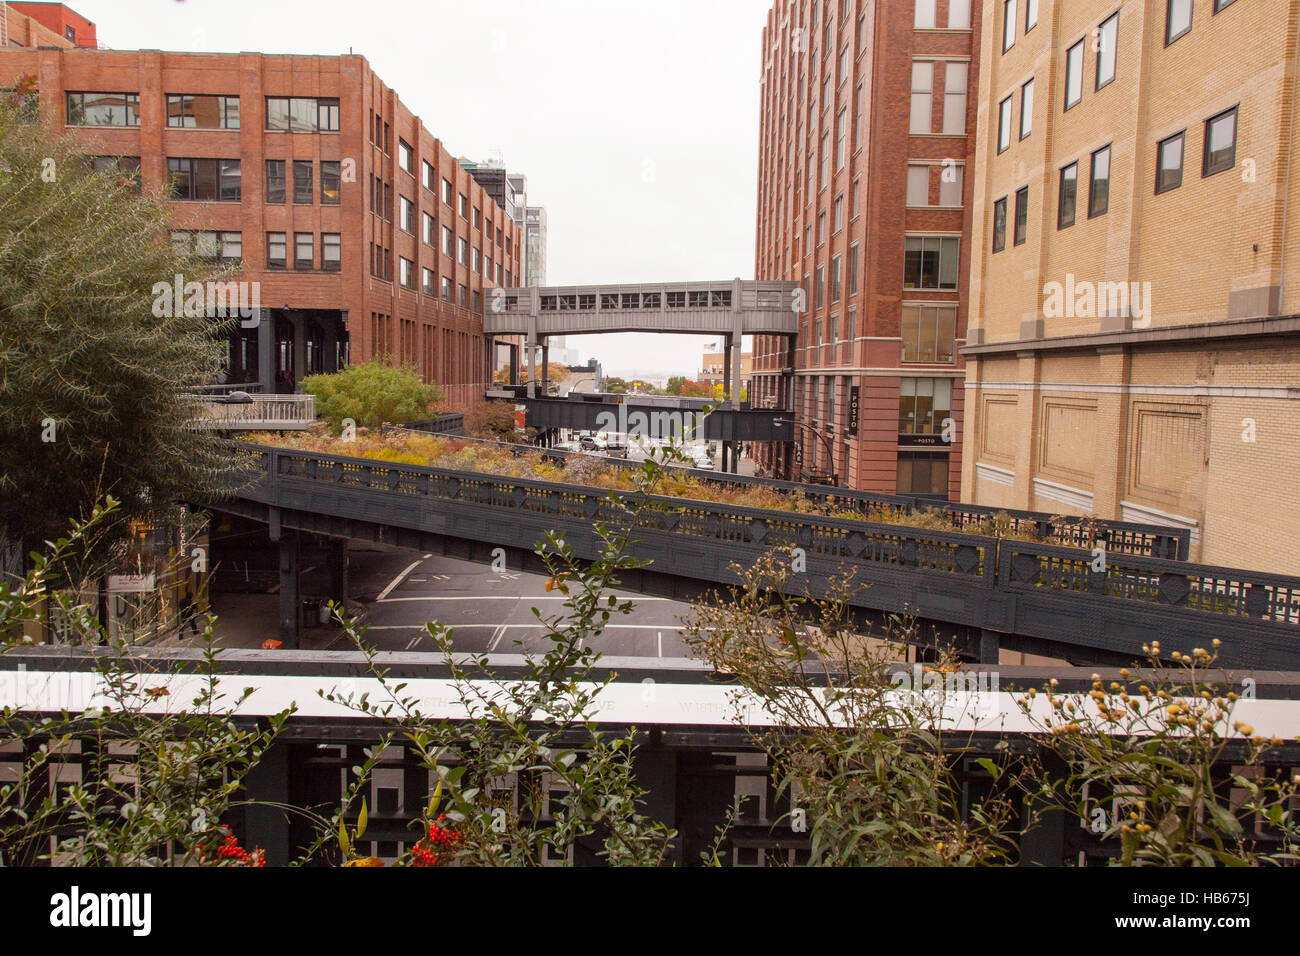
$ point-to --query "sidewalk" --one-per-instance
(246, 620)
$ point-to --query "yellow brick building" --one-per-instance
(1134, 343)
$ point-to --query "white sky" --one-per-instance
(636, 123)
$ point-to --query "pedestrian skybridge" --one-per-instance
(732, 307)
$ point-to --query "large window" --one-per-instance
(925, 14)
(446, 241)
(1008, 24)
(222, 246)
(1169, 163)
(929, 333)
(276, 246)
(304, 250)
(819, 288)
(329, 182)
(1022, 215)
(405, 156)
(331, 253)
(958, 14)
(1107, 49)
(853, 270)
(1074, 75)
(406, 214)
(922, 97)
(1220, 143)
(406, 272)
(1026, 109)
(1000, 224)
(923, 404)
(125, 168)
(302, 114)
(304, 193)
(1099, 190)
(202, 112)
(841, 138)
(930, 262)
(1067, 200)
(430, 230)
(1004, 125)
(835, 279)
(1031, 14)
(205, 180)
(922, 473)
(1178, 19)
(275, 181)
(918, 185)
(954, 98)
(103, 109)
(950, 185)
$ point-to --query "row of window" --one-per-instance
(292, 114)
(304, 192)
(1219, 154)
(927, 15)
(229, 247)
(929, 332)
(834, 334)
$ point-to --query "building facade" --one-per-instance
(365, 237)
(1134, 345)
(866, 138)
(44, 25)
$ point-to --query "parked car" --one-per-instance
(593, 443)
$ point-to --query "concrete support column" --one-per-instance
(1027, 422)
(530, 362)
(299, 348)
(545, 375)
(338, 565)
(290, 604)
(1114, 365)
(990, 647)
(266, 351)
(726, 366)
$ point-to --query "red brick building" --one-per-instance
(364, 233)
(867, 139)
(45, 24)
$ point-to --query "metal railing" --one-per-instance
(1027, 590)
(263, 412)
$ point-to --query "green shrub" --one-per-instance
(372, 394)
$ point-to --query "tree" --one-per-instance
(675, 383)
(371, 394)
(613, 385)
(495, 420)
(94, 359)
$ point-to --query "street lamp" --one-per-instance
(830, 447)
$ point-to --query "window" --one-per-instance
(925, 15)
(1218, 5)
(329, 182)
(427, 282)
(841, 138)
(922, 473)
(1022, 216)
(275, 181)
(103, 109)
(1004, 125)
(853, 270)
(430, 230)
(954, 98)
(304, 250)
(923, 404)
(447, 191)
(950, 185)
(844, 64)
(478, 261)
(918, 185)
(1178, 19)
(1099, 191)
(276, 245)
(223, 246)
(1027, 109)
(446, 241)
(203, 112)
(405, 156)
(126, 169)
(406, 215)
(1008, 24)
(929, 333)
(303, 191)
(205, 180)
(838, 223)
(1220, 143)
(826, 159)
(446, 289)
(819, 287)
(922, 97)
(462, 251)
(462, 296)
(930, 262)
(1169, 163)
(835, 279)
(1074, 75)
(1000, 224)
(958, 14)
(1031, 14)
(331, 252)
(406, 272)
(1107, 49)
(464, 206)
(821, 228)
(1067, 199)
(430, 177)
(851, 324)
(854, 199)
(301, 114)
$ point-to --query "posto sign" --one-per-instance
(854, 404)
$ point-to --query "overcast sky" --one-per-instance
(636, 123)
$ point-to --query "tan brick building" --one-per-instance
(365, 233)
(1134, 344)
(867, 131)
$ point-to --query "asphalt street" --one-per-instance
(489, 610)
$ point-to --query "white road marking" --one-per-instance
(659, 636)
(496, 637)
(397, 580)
(412, 642)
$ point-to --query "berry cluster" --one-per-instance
(437, 848)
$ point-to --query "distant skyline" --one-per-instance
(635, 123)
